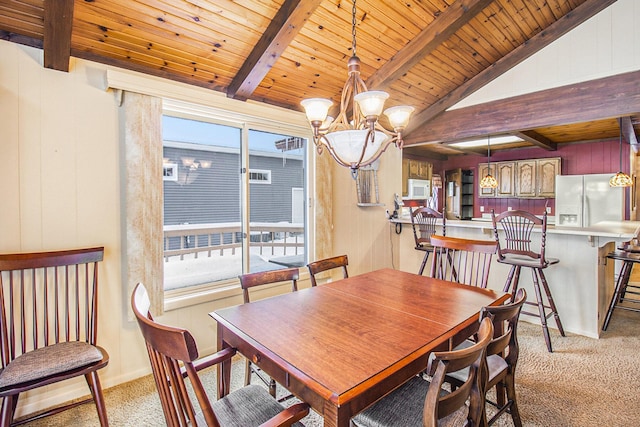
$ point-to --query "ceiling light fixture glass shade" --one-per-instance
(620, 179)
(356, 138)
(488, 181)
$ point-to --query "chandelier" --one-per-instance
(620, 179)
(488, 181)
(358, 140)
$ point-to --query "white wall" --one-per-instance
(61, 187)
(62, 163)
(605, 45)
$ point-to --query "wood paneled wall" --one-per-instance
(577, 159)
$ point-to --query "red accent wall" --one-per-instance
(577, 159)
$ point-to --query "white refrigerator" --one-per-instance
(585, 200)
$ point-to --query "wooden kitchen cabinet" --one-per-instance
(405, 177)
(528, 179)
(484, 169)
(548, 169)
(526, 182)
(505, 174)
(414, 169)
(537, 178)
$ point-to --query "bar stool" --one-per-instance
(628, 258)
(424, 222)
(517, 252)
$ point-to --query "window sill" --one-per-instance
(194, 295)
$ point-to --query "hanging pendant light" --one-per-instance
(358, 140)
(488, 181)
(620, 179)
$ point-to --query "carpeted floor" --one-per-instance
(585, 382)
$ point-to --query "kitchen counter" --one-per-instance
(613, 229)
(582, 282)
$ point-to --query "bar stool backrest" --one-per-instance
(424, 222)
(518, 226)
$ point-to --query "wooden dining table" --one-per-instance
(343, 345)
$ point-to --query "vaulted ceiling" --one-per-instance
(427, 53)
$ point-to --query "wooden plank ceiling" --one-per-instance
(429, 53)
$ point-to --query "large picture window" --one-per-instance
(220, 219)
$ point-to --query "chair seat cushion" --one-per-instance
(249, 406)
(526, 261)
(404, 407)
(496, 365)
(50, 360)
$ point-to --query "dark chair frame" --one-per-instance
(623, 287)
(466, 261)
(252, 280)
(315, 267)
(49, 300)
(502, 357)
(517, 251)
(174, 356)
(424, 221)
(437, 404)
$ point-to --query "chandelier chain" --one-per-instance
(353, 29)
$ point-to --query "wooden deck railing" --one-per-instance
(197, 239)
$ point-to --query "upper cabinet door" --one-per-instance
(526, 178)
(483, 170)
(547, 171)
(537, 178)
(505, 175)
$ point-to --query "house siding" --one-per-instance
(212, 195)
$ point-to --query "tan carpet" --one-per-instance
(585, 382)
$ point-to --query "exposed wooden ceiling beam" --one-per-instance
(607, 97)
(537, 139)
(20, 39)
(629, 133)
(562, 26)
(58, 21)
(280, 32)
(447, 23)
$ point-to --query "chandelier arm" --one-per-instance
(379, 153)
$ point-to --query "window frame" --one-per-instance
(260, 171)
(197, 294)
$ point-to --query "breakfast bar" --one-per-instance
(582, 283)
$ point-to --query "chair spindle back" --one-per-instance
(424, 221)
(518, 226)
(464, 261)
(48, 298)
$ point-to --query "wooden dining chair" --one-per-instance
(519, 248)
(502, 358)
(174, 357)
(460, 260)
(340, 261)
(251, 281)
(423, 403)
(424, 222)
(49, 326)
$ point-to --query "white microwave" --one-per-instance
(419, 189)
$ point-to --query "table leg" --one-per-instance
(223, 369)
(336, 416)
